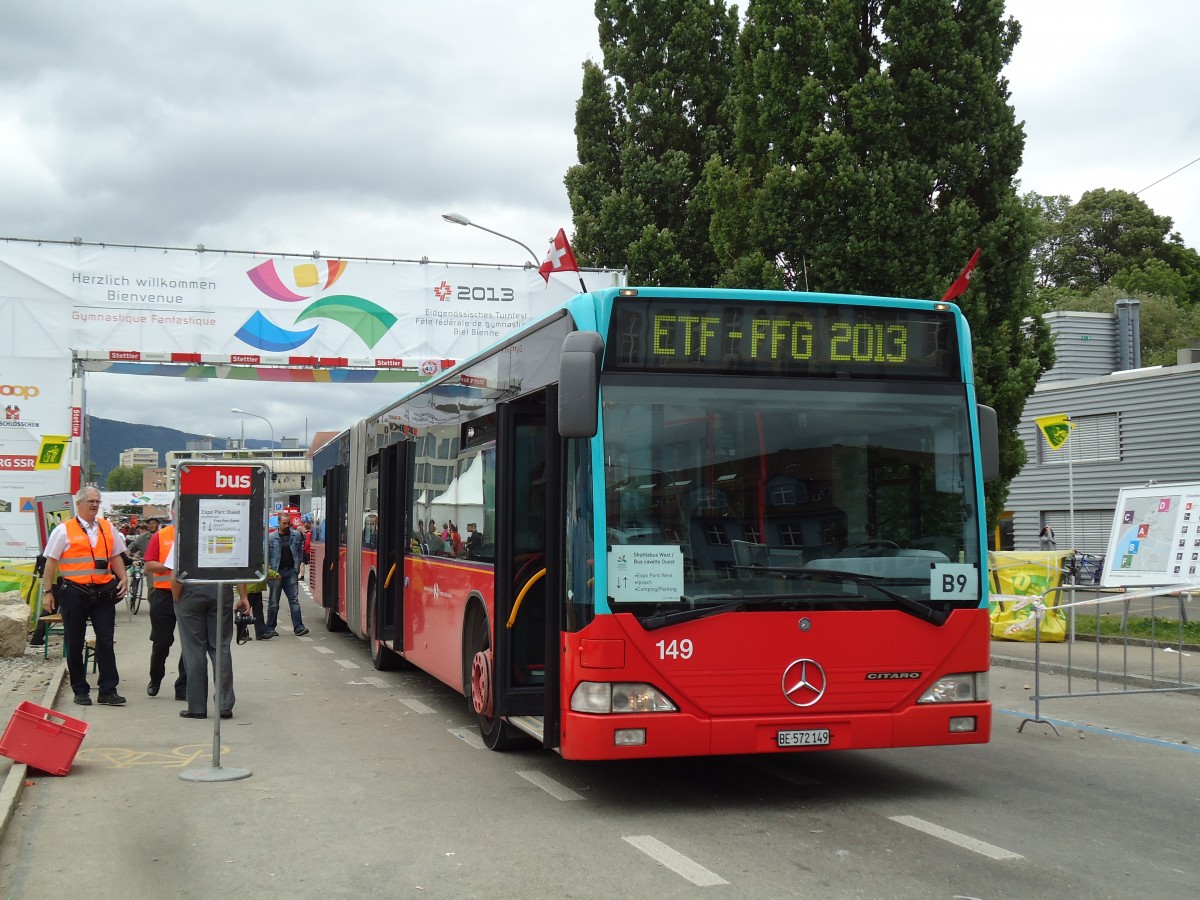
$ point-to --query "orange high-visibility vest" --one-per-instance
(78, 562)
(166, 539)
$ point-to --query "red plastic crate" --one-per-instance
(42, 738)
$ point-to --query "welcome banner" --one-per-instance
(60, 297)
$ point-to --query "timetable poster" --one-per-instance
(224, 532)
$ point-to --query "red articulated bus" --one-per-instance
(666, 522)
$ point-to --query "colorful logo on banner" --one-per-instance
(368, 320)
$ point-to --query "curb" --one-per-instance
(10, 793)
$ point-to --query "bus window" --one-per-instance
(580, 568)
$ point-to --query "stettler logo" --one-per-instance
(804, 682)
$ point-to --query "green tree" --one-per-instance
(1050, 211)
(645, 125)
(1113, 236)
(874, 150)
(124, 478)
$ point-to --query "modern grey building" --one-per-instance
(1133, 426)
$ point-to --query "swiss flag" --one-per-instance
(963, 281)
(559, 258)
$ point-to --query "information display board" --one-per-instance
(1155, 537)
(221, 525)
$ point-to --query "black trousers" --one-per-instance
(78, 606)
(162, 636)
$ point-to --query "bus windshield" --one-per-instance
(793, 493)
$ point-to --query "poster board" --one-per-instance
(221, 525)
(1155, 537)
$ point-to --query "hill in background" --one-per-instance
(107, 439)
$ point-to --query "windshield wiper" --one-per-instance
(663, 619)
(906, 604)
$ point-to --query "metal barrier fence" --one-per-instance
(1128, 662)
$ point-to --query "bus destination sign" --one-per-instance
(804, 338)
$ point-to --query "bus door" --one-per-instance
(391, 544)
(335, 520)
(529, 526)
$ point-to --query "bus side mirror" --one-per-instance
(579, 384)
(989, 442)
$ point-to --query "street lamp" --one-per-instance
(459, 219)
(242, 412)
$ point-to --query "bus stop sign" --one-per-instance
(221, 533)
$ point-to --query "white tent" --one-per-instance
(462, 501)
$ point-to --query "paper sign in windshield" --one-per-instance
(645, 573)
(224, 532)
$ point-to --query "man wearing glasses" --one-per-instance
(85, 580)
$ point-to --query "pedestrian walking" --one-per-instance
(285, 550)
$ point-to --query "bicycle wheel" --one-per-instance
(135, 596)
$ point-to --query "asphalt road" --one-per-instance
(375, 784)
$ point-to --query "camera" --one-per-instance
(242, 622)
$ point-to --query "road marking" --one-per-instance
(377, 681)
(968, 843)
(417, 706)
(550, 786)
(347, 664)
(323, 649)
(468, 736)
(1107, 732)
(675, 861)
(123, 758)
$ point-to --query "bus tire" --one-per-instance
(383, 657)
(477, 677)
(333, 622)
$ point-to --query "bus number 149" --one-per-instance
(675, 649)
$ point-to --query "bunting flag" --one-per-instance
(1055, 429)
(963, 281)
(559, 258)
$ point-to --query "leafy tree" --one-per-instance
(1050, 211)
(874, 150)
(125, 478)
(645, 125)
(1113, 236)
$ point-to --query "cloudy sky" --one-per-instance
(349, 128)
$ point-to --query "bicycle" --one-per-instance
(136, 579)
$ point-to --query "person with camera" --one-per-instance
(85, 579)
(197, 608)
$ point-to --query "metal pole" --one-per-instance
(215, 772)
(1071, 485)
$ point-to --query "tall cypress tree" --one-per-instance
(874, 149)
(645, 125)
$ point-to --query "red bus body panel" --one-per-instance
(730, 688)
(730, 692)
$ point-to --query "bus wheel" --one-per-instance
(383, 658)
(496, 733)
(332, 622)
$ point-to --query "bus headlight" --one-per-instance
(619, 697)
(963, 687)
